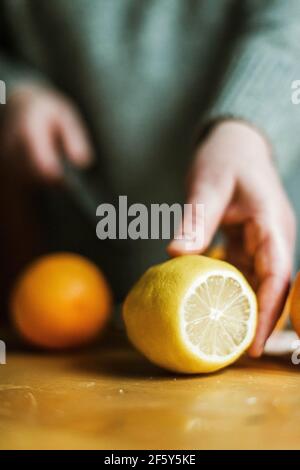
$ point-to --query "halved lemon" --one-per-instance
(191, 314)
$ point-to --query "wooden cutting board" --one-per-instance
(111, 398)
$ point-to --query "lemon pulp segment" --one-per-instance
(216, 313)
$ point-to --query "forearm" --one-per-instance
(257, 84)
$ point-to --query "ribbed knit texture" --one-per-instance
(256, 86)
(141, 73)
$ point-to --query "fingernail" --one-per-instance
(185, 244)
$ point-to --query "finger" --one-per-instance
(273, 266)
(40, 147)
(190, 233)
(74, 139)
(236, 253)
(271, 297)
(253, 236)
(213, 189)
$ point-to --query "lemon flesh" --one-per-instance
(192, 314)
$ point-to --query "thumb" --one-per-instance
(213, 189)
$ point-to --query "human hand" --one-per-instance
(37, 126)
(234, 177)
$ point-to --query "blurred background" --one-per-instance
(142, 76)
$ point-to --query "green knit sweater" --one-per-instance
(147, 74)
(143, 70)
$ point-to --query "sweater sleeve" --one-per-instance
(14, 73)
(256, 86)
(13, 70)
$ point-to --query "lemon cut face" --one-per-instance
(217, 320)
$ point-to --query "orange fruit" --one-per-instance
(294, 303)
(283, 319)
(60, 301)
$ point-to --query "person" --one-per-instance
(125, 86)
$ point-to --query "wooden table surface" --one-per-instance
(109, 397)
